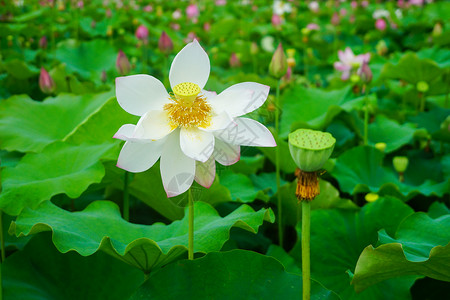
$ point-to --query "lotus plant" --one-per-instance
(349, 63)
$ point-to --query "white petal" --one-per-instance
(139, 157)
(154, 125)
(191, 64)
(205, 172)
(209, 94)
(220, 122)
(248, 133)
(177, 170)
(137, 94)
(226, 154)
(125, 133)
(196, 144)
(241, 98)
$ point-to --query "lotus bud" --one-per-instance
(437, 30)
(103, 78)
(310, 149)
(254, 48)
(142, 33)
(192, 11)
(371, 197)
(381, 146)
(43, 42)
(366, 73)
(335, 19)
(46, 83)
(278, 65)
(165, 43)
(422, 87)
(234, 61)
(122, 63)
(276, 20)
(380, 24)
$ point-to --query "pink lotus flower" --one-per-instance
(192, 11)
(46, 83)
(313, 26)
(276, 20)
(350, 62)
(380, 24)
(142, 33)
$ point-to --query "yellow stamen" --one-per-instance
(307, 185)
(188, 109)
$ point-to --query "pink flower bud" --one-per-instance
(234, 61)
(354, 4)
(313, 26)
(221, 2)
(335, 19)
(142, 33)
(207, 26)
(148, 8)
(192, 11)
(122, 63)
(165, 43)
(46, 83)
(276, 20)
(380, 24)
(365, 73)
(43, 42)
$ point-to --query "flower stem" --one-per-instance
(144, 58)
(191, 227)
(126, 197)
(306, 265)
(2, 240)
(422, 102)
(277, 165)
(366, 117)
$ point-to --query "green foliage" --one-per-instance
(101, 227)
(236, 274)
(421, 247)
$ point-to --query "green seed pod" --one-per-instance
(310, 149)
(400, 163)
(422, 86)
(381, 146)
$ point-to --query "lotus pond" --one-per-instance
(222, 149)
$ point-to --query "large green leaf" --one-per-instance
(28, 125)
(40, 272)
(421, 247)
(413, 69)
(287, 165)
(59, 168)
(339, 236)
(236, 274)
(100, 226)
(315, 108)
(360, 169)
(88, 58)
(390, 132)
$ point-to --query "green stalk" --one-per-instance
(306, 264)
(2, 240)
(422, 102)
(277, 165)
(126, 197)
(305, 63)
(366, 117)
(191, 227)
(144, 58)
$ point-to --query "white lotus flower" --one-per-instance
(190, 128)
